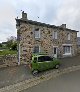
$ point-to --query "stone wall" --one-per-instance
(27, 41)
(78, 50)
(46, 41)
(8, 60)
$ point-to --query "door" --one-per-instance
(41, 63)
(55, 52)
(48, 62)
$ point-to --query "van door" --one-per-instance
(48, 62)
(41, 63)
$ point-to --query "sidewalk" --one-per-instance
(70, 61)
(13, 75)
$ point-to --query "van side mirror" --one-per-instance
(35, 59)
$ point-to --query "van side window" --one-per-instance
(41, 59)
(44, 58)
(47, 58)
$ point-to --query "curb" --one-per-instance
(35, 81)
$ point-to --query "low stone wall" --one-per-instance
(8, 60)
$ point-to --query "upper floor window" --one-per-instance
(68, 36)
(54, 35)
(37, 33)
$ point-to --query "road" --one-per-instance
(11, 75)
(69, 82)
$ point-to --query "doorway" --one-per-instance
(55, 52)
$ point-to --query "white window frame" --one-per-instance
(69, 52)
(68, 36)
(38, 33)
(55, 35)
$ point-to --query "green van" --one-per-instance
(43, 62)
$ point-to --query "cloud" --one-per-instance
(7, 20)
(53, 12)
(68, 13)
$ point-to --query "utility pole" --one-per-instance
(18, 53)
(18, 44)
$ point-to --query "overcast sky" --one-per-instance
(54, 12)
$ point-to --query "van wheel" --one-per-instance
(57, 66)
(35, 72)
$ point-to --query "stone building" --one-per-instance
(78, 44)
(37, 37)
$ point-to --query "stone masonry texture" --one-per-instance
(25, 33)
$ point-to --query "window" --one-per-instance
(41, 59)
(37, 33)
(35, 58)
(68, 36)
(47, 58)
(67, 49)
(44, 58)
(36, 49)
(54, 35)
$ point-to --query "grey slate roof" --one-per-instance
(41, 24)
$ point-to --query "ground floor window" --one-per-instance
(67, 49)
(36, 49)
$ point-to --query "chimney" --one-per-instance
(24, 16)
(63, 25)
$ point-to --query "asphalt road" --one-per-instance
(11, 75)
(69, 82)
(70, 61)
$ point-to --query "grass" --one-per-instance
(7, 52)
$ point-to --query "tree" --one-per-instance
(0, 45)
(14, 46)
(12, 43)
(12, 38)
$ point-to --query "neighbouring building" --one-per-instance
(78, 44)
(37, 37)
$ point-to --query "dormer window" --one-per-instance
(37, 33)
(68, 36)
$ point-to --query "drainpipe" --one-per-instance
(18, 53)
